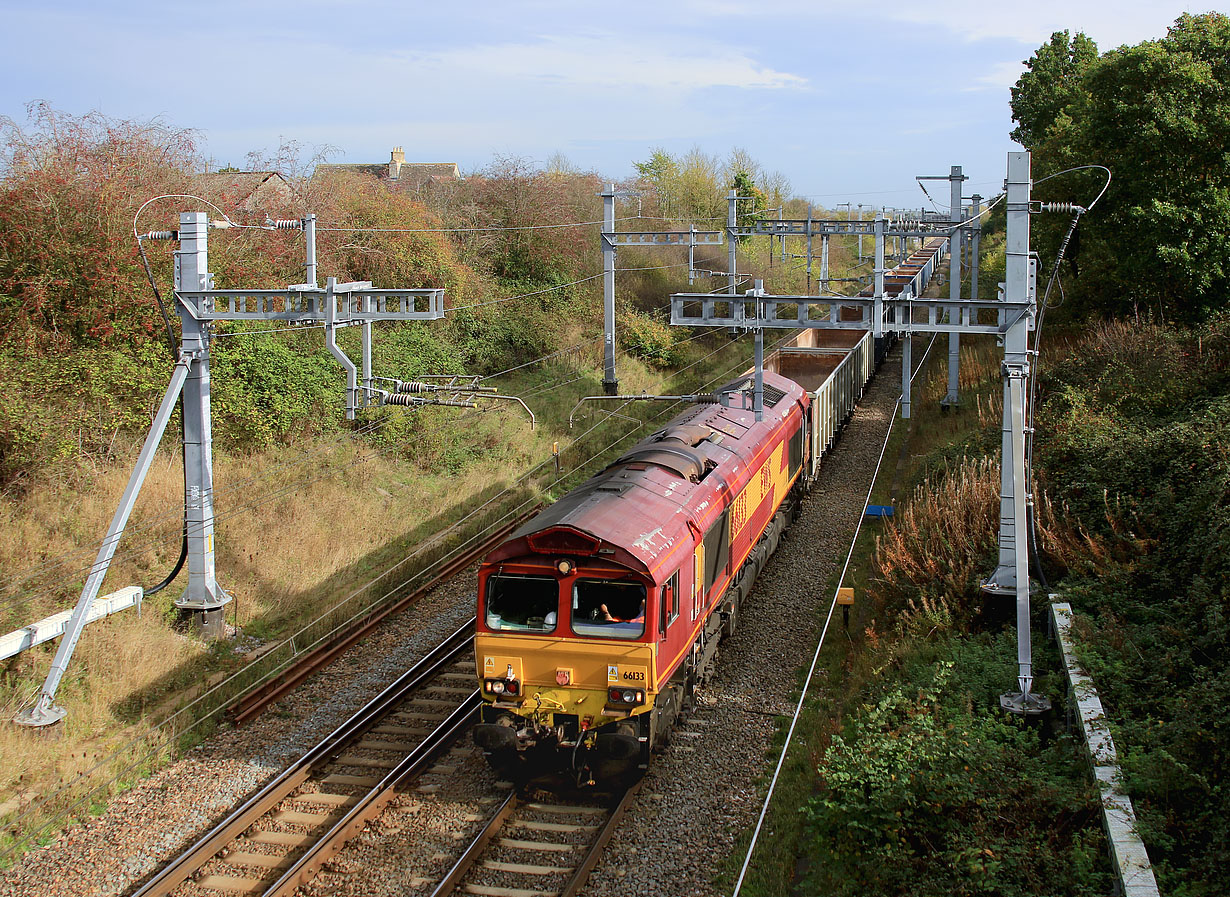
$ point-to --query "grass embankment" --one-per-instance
(905, 777)
(1134, 441)
(285, 562)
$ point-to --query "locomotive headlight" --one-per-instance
(508, 687)
(565, 566)
(632, 696)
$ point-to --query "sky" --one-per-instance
(848, 100)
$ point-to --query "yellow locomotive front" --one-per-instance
(565, 659)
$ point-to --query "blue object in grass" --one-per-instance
(879, 511)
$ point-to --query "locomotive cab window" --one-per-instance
(608, 608)
(668, 607)
(522, 603)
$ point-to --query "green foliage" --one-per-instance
(647, 339)
(59, 410)
(1135, 440)
(694, 187)
(660, 172)
(264, 391)
(1158, 114)
(687, 188)
(1051, 83)
(931, 790)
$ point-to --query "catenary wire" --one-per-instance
(151, 522)
(49, 564)
(125, 749)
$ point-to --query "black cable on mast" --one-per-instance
(174, 347)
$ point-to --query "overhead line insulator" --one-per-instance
(414, 401)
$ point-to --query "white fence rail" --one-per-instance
(53, 627)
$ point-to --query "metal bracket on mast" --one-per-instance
(455, 390)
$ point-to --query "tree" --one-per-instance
(743, 174)
(701, 198)
(1052, 82)
(69, 188)
(1158, 115)
(661, 172)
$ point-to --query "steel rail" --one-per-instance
(594, 854)
(253, 703)
(580, 875)
(285, 783)
(373, 803)
(467, 860)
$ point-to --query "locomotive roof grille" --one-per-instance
(772, 395)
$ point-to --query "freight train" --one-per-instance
(599, 618)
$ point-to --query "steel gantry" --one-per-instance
(611, 239)
(199, 306)
(902, 227)
(1010, 317)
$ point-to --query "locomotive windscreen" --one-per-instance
(526, 603)
(605, 608)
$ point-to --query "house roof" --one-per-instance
(411, 175)
(240, 189)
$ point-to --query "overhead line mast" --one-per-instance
(690, 238)
(200, 306)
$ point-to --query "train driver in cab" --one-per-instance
(623, 613)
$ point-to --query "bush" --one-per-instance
(931, 790)
(647, 339)
(1134, 437)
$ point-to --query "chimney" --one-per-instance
(396, 159)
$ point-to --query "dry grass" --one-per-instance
(980, 365)
(936, 547)
(297, 529)
(929, 559)
(276, 553)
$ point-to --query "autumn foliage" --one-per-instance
(69, 269)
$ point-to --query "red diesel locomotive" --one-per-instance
(598, 618)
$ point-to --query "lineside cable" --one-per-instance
(824, 632)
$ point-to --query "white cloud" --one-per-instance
(1109, 23)
(1000, 76)
(608, 61)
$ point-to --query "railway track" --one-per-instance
(278, 838)
(536, 849)
(255, 701)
